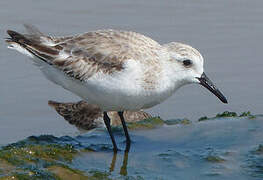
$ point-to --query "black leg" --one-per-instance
(128, 140)
(107, 123)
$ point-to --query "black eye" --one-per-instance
(187, 62)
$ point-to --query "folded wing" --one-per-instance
(82, 56)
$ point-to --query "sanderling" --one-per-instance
(87, 116)
(116, 70)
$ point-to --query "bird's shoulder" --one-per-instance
(103, 50)
(110, 45)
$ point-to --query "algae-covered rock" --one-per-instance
(5, 167)
(247, 114)
(43, 157)
(149, 123)
(183, 121)
(96, 175)
(29, 159)
(21, 154)
(214, 159)
(203, 118)
(8, 178)
(228, 114)
(67, 173)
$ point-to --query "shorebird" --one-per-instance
(87, 116)
(116, 70)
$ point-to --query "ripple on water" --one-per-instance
(253, 164)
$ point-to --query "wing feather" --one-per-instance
(82, 56)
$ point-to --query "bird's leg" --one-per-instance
(128, 140)
(108, 126)
(123, 170)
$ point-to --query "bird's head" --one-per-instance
(187, 66)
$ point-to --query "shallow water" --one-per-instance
(229, 35)
(221, 148)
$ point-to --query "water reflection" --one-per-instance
(123, 169)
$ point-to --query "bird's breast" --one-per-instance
(131, 89)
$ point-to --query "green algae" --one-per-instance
(34, 175)
(31, 160)
(149, 123)
(51, 173)
(203, 118)
(36, 159)
(152, 123)
(5, 167)
(228, 114)
(99, 175)
(28, 153)
(183, 121)
(247, 114)
(8, 178)
(67, 173)
(60, 173)
(214, 159)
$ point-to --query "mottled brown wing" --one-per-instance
(111, 45)
(84, 55)
(70, 58)
(83, 67)
(103, 50)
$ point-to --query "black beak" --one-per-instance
(206, 82)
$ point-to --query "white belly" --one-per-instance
(118, 92)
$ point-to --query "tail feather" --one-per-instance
(32, 44)
(18, 38)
